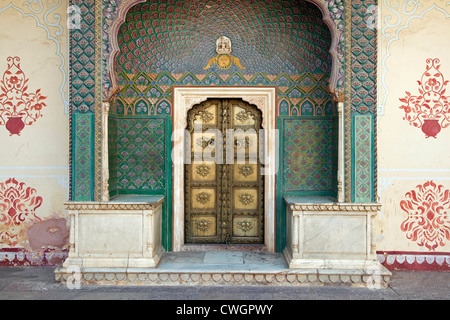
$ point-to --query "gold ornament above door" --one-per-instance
(223, 183)
(223, 59)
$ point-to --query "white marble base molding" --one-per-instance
(219, 268)
(123, 232)
(322, 234)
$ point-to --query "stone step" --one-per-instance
(223, 269)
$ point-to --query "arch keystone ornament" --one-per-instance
(17, 106)
(223, 59)
(428, 221)
(430, 109)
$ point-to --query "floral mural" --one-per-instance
(18, 204)
(17, 106)
(430, 109)
(428, 220)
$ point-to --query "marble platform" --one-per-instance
(224, 268)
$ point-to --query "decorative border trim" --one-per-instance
(414, 261)
(18, 257)
(347, 101)
(342, 207)
(113, 205)
(98, 180)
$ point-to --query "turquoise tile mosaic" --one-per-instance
(309, 155)
(82, 103)
(140, 156)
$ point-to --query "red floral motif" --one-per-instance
(430, 110)
(428, 210)
(17, 205)
(17, 107)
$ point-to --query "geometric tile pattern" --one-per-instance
(151, 94)
(309, 158)
(141, 154)
(178, 36)
(165, 44)
(82, 65)
(363, 158)
(82, 59)
(364, 58)
(112, 154)
(363, 100)
(82, 152)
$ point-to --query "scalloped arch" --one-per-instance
(125, 6)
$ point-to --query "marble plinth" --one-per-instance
(122, 232)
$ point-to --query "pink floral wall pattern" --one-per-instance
(430, 109)
(18, 204)
(428, 209)
(17, 106)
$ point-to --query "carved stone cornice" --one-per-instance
(99, 206)
(341, 207)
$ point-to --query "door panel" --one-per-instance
(224, 190)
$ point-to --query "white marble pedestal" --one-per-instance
(123, 232)
(322, 234)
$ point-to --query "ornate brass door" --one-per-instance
(224, 185)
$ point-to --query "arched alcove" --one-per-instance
(289, 46)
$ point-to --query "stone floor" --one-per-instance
(223, 261)
(38, 283)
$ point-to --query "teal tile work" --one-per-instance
(309, 161)
(363, 157)
(112, 155)
(302, 95)
(82, 167)
(82, 102)
(363, 100)
(141, 154)
(140, 163)
(364, 57)
(82, 59)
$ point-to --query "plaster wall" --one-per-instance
(34, 161)
(413, 169)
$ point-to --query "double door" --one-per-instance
(223, 183)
